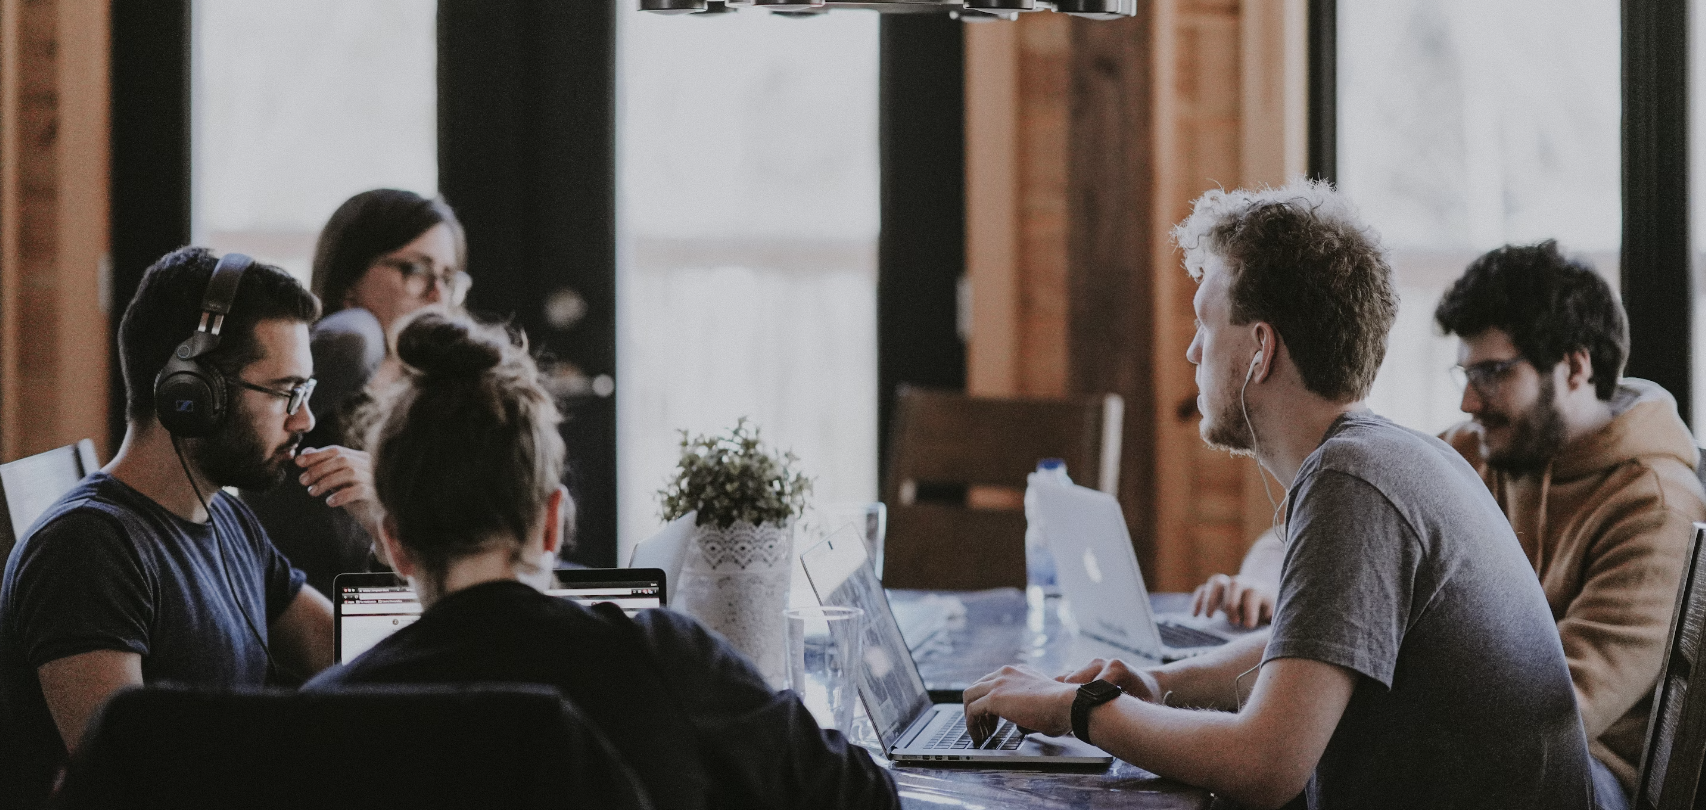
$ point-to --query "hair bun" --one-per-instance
(446, 347)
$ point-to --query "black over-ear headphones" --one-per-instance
(189, 396)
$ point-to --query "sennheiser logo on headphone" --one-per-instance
(186, 406)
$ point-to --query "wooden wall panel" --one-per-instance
(1112, 285)
(1017, 147)
(1110, 130)
(54, 349)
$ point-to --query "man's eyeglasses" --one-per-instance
(1485, 376)
(296, 394)
(418, 278)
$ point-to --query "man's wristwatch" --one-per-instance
(1090, 695)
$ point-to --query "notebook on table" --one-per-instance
(368, 607)
(911, 728)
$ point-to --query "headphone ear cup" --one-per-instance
(189, 402)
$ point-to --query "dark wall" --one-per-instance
(150, 214)
(526, 112)
(1656, 267)
(1323, 146)
(921, 250)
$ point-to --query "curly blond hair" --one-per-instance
(1302, 260)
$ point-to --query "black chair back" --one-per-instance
(393, 747)
(30, 485)
(1676, 734)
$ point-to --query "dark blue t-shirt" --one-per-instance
(106, 568)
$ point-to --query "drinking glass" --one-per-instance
(825, 648)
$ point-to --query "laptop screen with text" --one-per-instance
(369, 607)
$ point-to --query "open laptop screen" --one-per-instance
(893, 691)
(368, 607)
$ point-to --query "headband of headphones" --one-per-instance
(215, 305)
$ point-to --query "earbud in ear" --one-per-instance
(1257, 358)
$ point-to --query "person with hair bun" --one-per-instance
(467, 460)
(384, 254)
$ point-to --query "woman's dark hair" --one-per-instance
(1548, 304)
(466, 449)
(369, 225)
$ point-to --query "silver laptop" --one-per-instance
(368, 607)
(1098, 575)
(911, 728)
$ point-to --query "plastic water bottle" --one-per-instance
(1039, 560)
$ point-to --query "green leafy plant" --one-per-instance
(731, 478)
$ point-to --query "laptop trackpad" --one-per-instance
(1064, 746)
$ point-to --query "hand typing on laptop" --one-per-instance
(1021, 694)
(1248, 597)
(1044, 704)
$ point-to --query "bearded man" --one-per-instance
(147, 571)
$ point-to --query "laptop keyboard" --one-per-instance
(1180, 637)
(955, 736)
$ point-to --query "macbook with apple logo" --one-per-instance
(1099, 577)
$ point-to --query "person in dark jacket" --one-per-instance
(467, 460)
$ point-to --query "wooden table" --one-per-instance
(999, 627)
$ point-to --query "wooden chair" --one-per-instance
(1676, 733)
(30, 485)
(947, 446)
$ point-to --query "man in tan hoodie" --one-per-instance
(1596, 473)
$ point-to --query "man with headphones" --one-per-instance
(147, 570)
(1412, 660)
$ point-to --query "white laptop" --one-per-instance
(911, 728)
(1098, 575)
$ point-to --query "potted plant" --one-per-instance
(737, 567)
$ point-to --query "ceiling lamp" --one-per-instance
(962, 9)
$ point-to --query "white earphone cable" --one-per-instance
(1254, 446)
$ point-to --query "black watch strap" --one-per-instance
(1090, 695)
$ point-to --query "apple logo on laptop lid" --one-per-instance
(1091, 567)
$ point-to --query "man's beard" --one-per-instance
(1229, 430)
(233, 456)
(1536, 435)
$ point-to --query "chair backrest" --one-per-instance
(1676, 732)
(30, 485)
(394, 747)
(945, 445)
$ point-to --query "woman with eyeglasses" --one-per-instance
(383, 255)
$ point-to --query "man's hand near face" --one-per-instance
(344, 478)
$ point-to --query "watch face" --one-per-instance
(1100, 690)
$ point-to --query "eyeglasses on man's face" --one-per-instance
(296, 396)
(1486, 377)
(419, 278)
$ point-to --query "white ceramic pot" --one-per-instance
(735, 581)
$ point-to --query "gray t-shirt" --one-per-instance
(1400, 567)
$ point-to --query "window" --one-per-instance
(748, 209)
(349, 103)
(1464, 126)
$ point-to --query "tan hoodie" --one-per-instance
(1607, 527)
